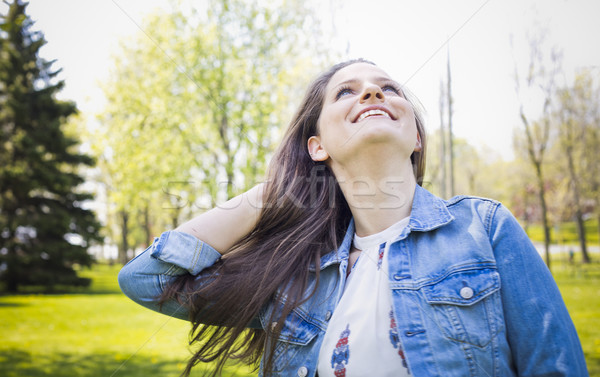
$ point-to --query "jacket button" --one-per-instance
(466, 292)
(302, 372)
(328, 315)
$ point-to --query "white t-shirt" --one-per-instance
(362, 337)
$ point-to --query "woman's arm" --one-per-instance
(144, 278)
(223, 226)
(540, 332)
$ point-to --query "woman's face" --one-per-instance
(364, 111)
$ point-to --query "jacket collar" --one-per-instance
(428, 212)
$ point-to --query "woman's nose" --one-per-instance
(372, 93)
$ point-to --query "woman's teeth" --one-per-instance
(370, 113)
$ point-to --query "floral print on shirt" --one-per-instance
(380, 258)
(341, 354)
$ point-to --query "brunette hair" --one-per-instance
(304, 217)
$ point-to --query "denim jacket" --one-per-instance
(471, 295)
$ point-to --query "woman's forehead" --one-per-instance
(357, 71)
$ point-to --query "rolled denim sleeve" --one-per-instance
(145, 277)
(542, 337)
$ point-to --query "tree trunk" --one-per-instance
(542, 197)
(576, 196)
(582, 238)
(147, 226)
(123, 258)
(12, 260)
(175, 217)
(598, 219)
(12, 277)
(229, 164)
(578, 211)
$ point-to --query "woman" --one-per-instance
(343, 265)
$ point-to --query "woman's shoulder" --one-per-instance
(465, 207)
(458, 200)
(490, 211)
(482, 207)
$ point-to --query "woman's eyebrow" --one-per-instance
(351, 81)
(376, 79)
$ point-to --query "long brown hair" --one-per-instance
(304, 216)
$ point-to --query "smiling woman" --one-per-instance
(341, 264)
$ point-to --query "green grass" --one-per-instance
(99, 332)
(579, 285)
(565, 233)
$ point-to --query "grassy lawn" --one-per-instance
(566, 233)
(99, 332)
(580, 287)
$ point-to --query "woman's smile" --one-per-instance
(374, 111)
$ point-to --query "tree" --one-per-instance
(537, 133)
(44, 228)
(578, 138)
(479, 171)
(591, 168)
(195, 107)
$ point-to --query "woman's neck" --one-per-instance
(378, 195)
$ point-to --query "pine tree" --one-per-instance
(44, 228)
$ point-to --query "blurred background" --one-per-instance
(120, 119)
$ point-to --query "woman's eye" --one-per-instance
(390, 88)
(342, 92)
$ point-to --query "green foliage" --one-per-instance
(44, 228)
(477, 172)
(578, 115)
(195, 107)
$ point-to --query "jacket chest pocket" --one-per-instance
(466, 306)
(295, 335)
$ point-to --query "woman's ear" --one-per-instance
(316, 150)
(418, 146)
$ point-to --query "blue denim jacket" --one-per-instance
(471, 295)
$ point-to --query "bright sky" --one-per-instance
(405, 38)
